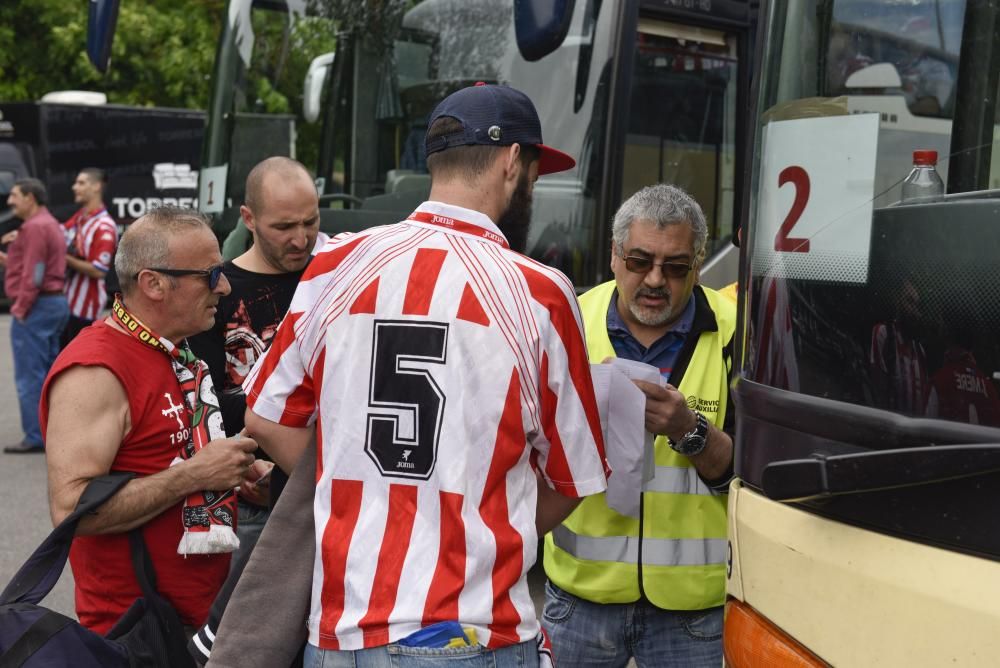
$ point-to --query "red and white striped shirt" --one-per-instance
(93, 237)
(904, 363)
(439, 367)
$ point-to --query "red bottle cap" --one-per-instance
(925, 157)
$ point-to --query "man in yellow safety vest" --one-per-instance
(651, 587)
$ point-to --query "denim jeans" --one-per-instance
(250, 522)
(593, 634)
(397, 656)
(35, 343)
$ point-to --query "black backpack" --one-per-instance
(149, 634)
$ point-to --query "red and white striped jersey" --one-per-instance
(439, 367)
(904, 363)
(91, 236)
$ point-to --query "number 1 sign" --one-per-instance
(817, 182)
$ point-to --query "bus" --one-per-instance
(638, 91)
(862, 524)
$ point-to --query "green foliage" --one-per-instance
(162, 53)
(283, 49)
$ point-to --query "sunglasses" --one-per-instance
(212, 274)
(643, 265)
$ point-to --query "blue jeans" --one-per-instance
(36, 343)
(250, 522)
(397, 656)
(593, 634)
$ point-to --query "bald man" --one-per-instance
(281, 212)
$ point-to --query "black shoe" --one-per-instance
(23, 448)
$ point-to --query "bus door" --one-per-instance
(688, 80)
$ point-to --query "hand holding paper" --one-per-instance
(628, 445)
(667, 412)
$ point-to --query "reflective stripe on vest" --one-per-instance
(678, 480)
(595, 553)
(656, 551)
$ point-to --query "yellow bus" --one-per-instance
(862, 526)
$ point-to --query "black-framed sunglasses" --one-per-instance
(212, 274)
(643, 265)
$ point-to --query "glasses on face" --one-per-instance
(643, 265)
(212, 274)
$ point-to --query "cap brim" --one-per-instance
(551, 160)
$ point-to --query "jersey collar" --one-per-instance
(469, 216)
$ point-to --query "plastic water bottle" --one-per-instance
(923, 184)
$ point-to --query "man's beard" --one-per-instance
(516, 219)
(651, 317)
(277, 258)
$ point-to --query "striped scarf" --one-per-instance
(209, 517)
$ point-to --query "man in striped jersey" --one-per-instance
(91, 237)
(445, 378)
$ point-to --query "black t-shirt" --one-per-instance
(245, 323)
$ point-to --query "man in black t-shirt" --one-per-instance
(282, 214)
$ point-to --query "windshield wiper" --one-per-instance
(829, 475)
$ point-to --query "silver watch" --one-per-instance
(693, 442)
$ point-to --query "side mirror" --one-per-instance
(541, 26)
(879, 75)
(102, 17)
(312, 95)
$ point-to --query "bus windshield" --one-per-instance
(875, 310)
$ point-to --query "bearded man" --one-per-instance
(652, 588)
(281, 212)
(438, 370)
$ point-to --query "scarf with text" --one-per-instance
(209, 517)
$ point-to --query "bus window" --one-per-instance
(902, 352)
(921, 46)
(868, 402)
(682, 118)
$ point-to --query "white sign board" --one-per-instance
(212, 189)
(817, 183)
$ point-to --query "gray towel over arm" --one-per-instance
(264, 625)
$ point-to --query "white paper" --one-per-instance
(638, 371)
(628, 446)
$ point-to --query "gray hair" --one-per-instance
(662, 205)
(146, 242)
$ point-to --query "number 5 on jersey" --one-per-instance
(406, 406)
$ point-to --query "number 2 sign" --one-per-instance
(814, 214)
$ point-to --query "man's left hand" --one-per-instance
(667, 412)
(256, 486)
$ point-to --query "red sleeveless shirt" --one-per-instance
(102, 568)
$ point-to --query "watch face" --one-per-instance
(691, 445)
(694, 441)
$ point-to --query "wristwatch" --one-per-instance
(693, 442)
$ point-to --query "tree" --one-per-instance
(162, 53)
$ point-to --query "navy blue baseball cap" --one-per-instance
(495, 116)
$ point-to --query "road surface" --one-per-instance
(24, 522)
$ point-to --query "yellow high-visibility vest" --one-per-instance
(678, 550)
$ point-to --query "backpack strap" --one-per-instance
(170, 626)
(142, 564)
(34, 638)
(41, 571)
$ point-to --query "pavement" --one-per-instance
(23, 489)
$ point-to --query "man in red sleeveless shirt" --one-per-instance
(117, 404)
